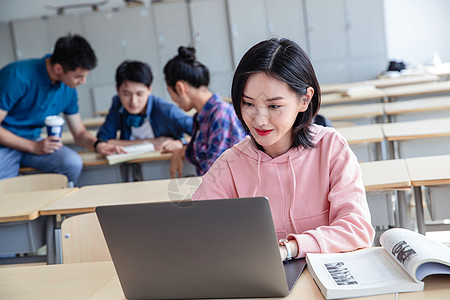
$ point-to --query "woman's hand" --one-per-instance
(176, 163)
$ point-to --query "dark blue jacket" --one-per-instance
(165, 118)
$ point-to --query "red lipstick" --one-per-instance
(262, 131)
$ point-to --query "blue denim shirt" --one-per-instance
(165, 118)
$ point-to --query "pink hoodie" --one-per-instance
(316, 196)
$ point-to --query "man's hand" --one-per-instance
(105, 149)
(48, 145)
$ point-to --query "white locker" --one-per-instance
(210, 34)
(327, 29)
(30, 38)
(172, 28)
(6, 45)
(366, 28)
(285, 18)
(58, 26)
(247, 24)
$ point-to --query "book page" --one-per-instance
(363, 267)
(416, 252)
(133, 152)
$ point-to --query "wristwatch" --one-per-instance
(285, 243)
(184, 141)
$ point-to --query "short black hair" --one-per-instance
(184, 66)
(134, 71)
(72, 52)
(284, 60)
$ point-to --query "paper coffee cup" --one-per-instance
(54, 125)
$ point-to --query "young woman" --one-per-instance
(216, 127)
(308, 172)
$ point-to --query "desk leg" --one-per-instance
(54, 242)
(58, 246)
(394, 150)
(419, 210)
(402, 210)
(51, 221)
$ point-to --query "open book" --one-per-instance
(399, 266)
(133, 152)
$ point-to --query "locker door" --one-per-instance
(366, 27)
(103, 33)
(248, 25)
(210, 34)
(172, 27)
(286, 19)
(30, 38)
(327, 29)
(6, 45)
(58, 26)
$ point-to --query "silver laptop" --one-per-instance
(223, 248)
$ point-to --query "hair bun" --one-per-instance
(187, 53)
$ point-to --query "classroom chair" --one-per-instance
(83, 240)
(34, 182)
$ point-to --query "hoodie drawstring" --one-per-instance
(292, 202)
(259, 174)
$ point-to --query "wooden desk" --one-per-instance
(403, 131)
(98, 280)
(25, 206)
(338, 98)
(20, 228)
(381, 180)
(427, 171)
(381, 82)
(89, 197)
(347, 112)
(417, 89)
(364, 135)
(385, 175)
(420, 107)
(153, 166)
(94, 122)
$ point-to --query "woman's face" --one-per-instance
(180, 99)
(134, 96)
(269, 109)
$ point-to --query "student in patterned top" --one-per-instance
(216, 126)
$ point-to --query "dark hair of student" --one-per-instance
(284, 60)
(134, 71)
(72, 52)
(185, 67)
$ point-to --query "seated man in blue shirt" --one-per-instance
(139, 115)
(31, 90)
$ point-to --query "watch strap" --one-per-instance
(285, 243)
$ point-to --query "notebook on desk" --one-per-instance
(223, 248)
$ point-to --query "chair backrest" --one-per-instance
(33, 182)
(83, 240)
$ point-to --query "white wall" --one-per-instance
(416, 28)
